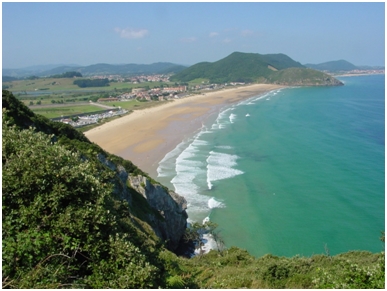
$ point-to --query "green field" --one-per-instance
(76, 108)
(67, 99)
(54, 112)
(66, 84)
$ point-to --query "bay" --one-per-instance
(297, 171)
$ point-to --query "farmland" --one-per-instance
(56, 97)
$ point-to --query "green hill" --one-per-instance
(302, 77)
(75, 216)
(250, 67)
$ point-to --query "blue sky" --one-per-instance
(188, 33)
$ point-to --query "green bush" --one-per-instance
(61, 223)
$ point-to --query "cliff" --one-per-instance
(170, 221)
(170, 205)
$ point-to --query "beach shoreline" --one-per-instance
(145, 136)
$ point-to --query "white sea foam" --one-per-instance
(224, 147)
(186, 171)
(166, 165)
(224, 118)
(190, 169)
(212, 203)
(220, 166)
(208, 244)
(232, 117)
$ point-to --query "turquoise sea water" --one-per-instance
(295, 171)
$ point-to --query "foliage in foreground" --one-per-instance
(235, 268)
(62, 225)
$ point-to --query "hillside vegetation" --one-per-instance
(250, 67)
(72, 218)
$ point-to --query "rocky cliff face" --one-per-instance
(170, 205)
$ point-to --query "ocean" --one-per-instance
(296, 171)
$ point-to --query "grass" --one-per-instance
(199, 81)
(234, 268)
(58, 111)
(49, 84)
(66, 84)
(76, 108)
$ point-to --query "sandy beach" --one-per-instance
(146, 136)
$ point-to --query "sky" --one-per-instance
(187, 33)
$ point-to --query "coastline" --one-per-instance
(145, 136)
(356, 75)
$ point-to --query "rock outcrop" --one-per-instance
(171, 206)
(120, 189)
(170, 225)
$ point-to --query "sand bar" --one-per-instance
(146, 136)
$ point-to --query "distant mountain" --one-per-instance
(333, 66)
(32, 70)
(253, 67)
(131, 69)
(97, 69)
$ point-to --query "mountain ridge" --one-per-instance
(254, 67)
(340, 66)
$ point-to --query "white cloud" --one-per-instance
(131, 33)
(188, 39)
(227, 40)
(247, 32)
(213, 34)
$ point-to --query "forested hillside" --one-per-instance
(250, 67)
(74, 216)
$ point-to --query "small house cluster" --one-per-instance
(152, 94)
(135, 79)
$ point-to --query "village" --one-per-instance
(162, 93)
(141, 94)
(155, 94)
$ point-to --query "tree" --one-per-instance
(67, 75)
(83, 83)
